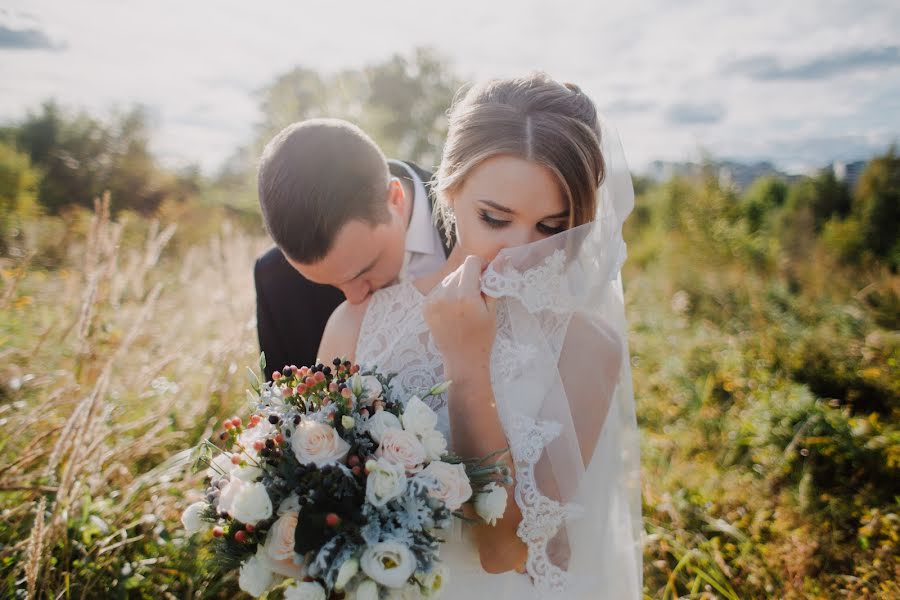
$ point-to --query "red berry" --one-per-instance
(236, 421)
(279, 439)
(301, 389)
(294, 369)
(309, 381)
(276, 375)
(218, 531)
(319, 376)
(240, 537)
(259, 445)
(353, 460)
(356, 470)
(303, 371)
(345, 392)
(288, 392)
(235, 459)
(228, 425)
(249, 527)
(332, 520)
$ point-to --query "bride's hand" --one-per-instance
(462, 320)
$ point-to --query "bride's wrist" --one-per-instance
(466, 374)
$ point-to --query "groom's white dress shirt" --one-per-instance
(424, 250)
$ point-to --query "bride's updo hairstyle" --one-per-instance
(534, 118)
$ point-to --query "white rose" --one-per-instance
(367, 590)
(388, 563)
(191, 518)
(385, 482)
(435, 444)
(248, 473)
(452, 484)
(402, 447)
(280, 539)
(318, 443)
(305, 590)
(381, 422)
(418, 417)
(255, 576)
(346, 573)
(246, 502)
(348, 422)
(491, 503)
(435, 581)
(220, 466)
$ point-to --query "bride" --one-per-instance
(527, 321)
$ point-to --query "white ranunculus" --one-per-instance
(371, 389)
(346, 573)
(191, 520)
(220, 467)
(305, 590)
(255, 576)
(418, 417)
(453, 487)
(318, 443)
(490, 504)
(280, 539)
(385, 481)
(367, 590)
(435, 581)
(381, 422)
(388, 563)
(246, 502)
(348, 422)
(402, 447)
(435, 444)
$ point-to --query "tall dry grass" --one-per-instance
(112, 367)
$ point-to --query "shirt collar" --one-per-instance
(420, 235)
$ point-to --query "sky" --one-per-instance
(799, 83)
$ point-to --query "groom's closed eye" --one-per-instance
(365, 270)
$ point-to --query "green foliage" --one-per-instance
(81, 157)
(18, 198)
(877, 206)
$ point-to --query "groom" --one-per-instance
(346, 222)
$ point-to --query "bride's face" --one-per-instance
(504, 202)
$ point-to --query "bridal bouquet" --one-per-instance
(335, 488)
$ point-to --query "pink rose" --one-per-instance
(280, 539)
(318, 443)
(452, 484)
(402, 448)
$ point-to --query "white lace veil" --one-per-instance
(562, 297)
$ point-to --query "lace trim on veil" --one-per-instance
(541, 516)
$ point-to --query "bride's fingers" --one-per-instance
(470, 279)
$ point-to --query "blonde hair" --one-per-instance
(534, 118)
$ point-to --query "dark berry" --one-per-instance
(287, 371)
(336, 362)
(265, 452)
(270, 443)
(327, 370)
(273, 419)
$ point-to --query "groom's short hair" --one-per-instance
(314, 177)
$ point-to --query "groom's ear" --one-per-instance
(396, 197)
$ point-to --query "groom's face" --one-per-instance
(364, 257)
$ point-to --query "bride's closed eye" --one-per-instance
(496, 223)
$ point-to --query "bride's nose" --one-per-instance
(519, 236)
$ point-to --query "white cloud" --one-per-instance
(195, 64)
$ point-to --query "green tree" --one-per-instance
(877, 206)
(18, 192)
(763, 196)
(81, 157)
